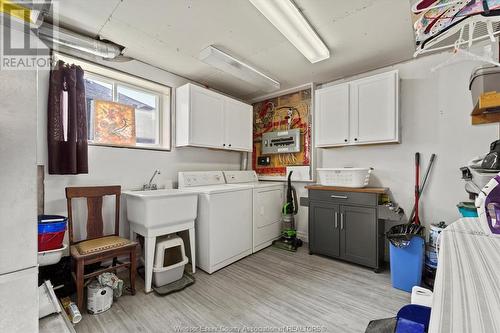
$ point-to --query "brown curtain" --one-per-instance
(67, 156)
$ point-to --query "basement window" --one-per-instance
(123, 110)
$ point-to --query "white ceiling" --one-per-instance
(361, 34)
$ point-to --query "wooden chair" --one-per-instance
(97, 247)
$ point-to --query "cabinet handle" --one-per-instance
(229, 145)
(336, 220)
(341, 221)
(223, 145)
(338, 196)
(345, 140)
(355, 139)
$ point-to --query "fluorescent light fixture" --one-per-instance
(286, 17)
(228, 64)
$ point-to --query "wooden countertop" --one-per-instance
(377, 190)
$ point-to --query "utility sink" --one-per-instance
(156, 213)
(161, 208)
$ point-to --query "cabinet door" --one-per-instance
(375, 109)
(358, 236)
(324, 228)
(238, 123)
(206, 118)
(331, 120)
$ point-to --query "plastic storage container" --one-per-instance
(169, 261)
(51, 229)
(434, 234)
(407, 264)
(431, 257)
(421, 296)
(51, 257)
(344, 177)
(50, 241)
(413, 319)
(482, 80)
(467, 209)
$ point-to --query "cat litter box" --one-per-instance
(169, 262)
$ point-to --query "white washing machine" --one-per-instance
(224, 220)
(267, 201)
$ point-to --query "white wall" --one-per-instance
(130, 168)
(435, 109)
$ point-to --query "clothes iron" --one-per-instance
(488, 205)
(480, 170)
(492, 160)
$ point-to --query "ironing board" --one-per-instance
(467, 289)
(436, 17)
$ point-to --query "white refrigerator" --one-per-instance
(18, 205)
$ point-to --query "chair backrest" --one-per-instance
(94, 196)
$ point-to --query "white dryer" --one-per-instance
(267, 201)
(224, 220)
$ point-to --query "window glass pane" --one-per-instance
(119, 114)
(95, 89)
(146, 113)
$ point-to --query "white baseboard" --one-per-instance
(303, 236)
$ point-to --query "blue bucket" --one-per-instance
(407, 264)
(51, 223)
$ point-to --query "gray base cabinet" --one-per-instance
(345, 225)
(325, 237)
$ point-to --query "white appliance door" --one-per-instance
(18, 237)
(19, 301)
(268, 205)
(230, 224)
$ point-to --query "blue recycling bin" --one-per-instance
(407, 264)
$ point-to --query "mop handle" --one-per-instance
(417, 186)
(422, 187)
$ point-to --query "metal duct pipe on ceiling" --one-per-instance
(60, 38)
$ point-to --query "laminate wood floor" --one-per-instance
(265, 292)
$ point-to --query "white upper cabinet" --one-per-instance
(238, 125)
(364, 111)
(375, 109)
(332, 116)
(208, 119)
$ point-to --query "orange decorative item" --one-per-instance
(114, 123)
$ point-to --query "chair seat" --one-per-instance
(100, 244)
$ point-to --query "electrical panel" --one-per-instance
(281, 142)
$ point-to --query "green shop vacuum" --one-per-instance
(288, 240)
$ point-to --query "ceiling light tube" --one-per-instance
(287, 18)
(228, 64)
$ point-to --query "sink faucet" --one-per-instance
(150, 185)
